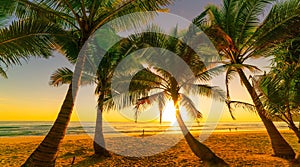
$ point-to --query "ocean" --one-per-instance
(33, 128)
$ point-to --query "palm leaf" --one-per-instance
(2, 72)
(204, 90)
(248, 18)
(54, 11)
(281, 23)
(119, 8)
(34, 35)
(244, 105)
(61, 76)
(142, 103)
(64, 76)
(189, 105)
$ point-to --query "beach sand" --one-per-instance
(236, 148)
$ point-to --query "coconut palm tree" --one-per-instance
(280, 88)
(101, 77)
(153, 84)
(79, 20)
(241, 33)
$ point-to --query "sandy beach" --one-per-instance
(236, 148)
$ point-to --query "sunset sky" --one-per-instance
(27, 96)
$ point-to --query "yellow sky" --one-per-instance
(26, 95)
(29, 97)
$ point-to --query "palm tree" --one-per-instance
(153, 84)
(152, 79)
(280, 88)
(239, 35)
(95, 73)
(101, 75)
(79, 20)
(103, 78)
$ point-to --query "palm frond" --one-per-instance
(205, 90)
(61, 76)
(2, 72)
(26, 38)
(145, 80)
(248, 18)
(119, 8)
(246, 106)
(228, 12)
(54, 11)
(233, 105)
(144, 102)
(201, 20)
(281, 23)
(5, 16)
(189, 105)
(68, 46)
(64, 76)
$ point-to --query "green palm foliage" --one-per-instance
(5, 18)
(25, 38)
(155, 85)
(241, 33)
(281, 87)
(79, 19)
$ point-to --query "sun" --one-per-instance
(169, 114)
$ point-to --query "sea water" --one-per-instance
(34, 128)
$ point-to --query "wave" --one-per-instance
(9, 129)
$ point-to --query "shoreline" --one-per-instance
(236, 148)
(108, 135)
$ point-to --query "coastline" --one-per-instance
(236, 148)
(27, 128)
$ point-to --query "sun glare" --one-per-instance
(169, 114)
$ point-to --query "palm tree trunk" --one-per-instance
(45, 154)
(297, 133)
(99, 143)
(295, 129)
(200, 150)
(280, 147)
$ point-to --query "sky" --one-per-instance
(27, 96)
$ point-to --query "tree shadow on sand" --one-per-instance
(89, 160)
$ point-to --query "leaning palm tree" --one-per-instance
(280, 88)
(79, 20)
(239, 35)
(153, 84)
(100, 75)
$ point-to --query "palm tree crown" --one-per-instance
(153, 84)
